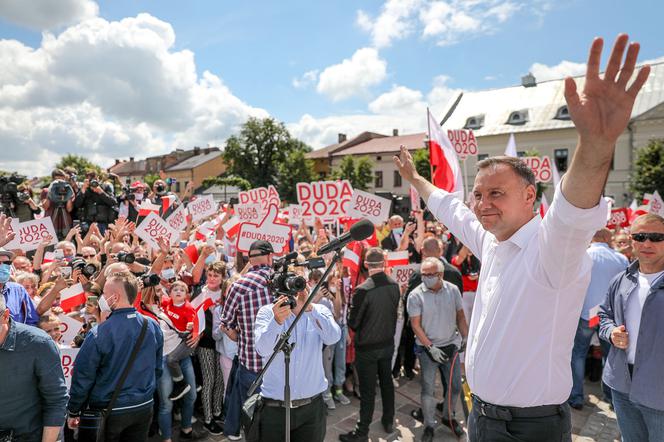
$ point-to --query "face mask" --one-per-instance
(5, 269)
(103, 305)
(332, 289)
(168, 274)
(430, 281)
(398, 230)
(139, 196)
(210, 259)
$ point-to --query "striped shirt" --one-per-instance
(245, 297)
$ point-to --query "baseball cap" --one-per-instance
(260, 246)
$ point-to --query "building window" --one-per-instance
(474, 122)
(521, 153)
(378, 158)
(482, 156)
(518, 117)
(378, 182)
(562, 113)
(177, 187)
(560, 156)
(397, 179)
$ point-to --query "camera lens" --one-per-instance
(150, 280)
(94, 183)
(126, 257)
(160, 188)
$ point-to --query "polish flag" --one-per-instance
(510, 149)
(146, 207)
(593, 320)
(646, 198)
(167, 201)
(446, 172)
(544, 206)
(204, 300)
(351, 259)
(232, 227)
(206, 229)
(72, 297)
(399, 258)
(192, 252)
(199, 322)
(48, 257)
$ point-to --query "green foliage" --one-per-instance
(422, 164)
(234, 181)
(541, 187)
(648, 173)
(258, 151)
(359, 171)
(296, 169)
(80, 163)
(150, 179)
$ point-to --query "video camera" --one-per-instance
(9, 184)
(286, 283)
(9, 194)
(60, 192)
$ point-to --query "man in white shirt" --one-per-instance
(535, 271)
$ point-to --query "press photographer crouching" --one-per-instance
(95, 202)
(316, 328)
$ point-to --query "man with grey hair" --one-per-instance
(34, 394)
(439, 324)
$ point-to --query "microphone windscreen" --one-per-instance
(362, 229)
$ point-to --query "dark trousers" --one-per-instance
(371, 364)
(124, 427)
(307, 422)
(557, 428)
(243, 378)
(406, 354)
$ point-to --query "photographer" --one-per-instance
(316, 328)
(16, 198)
(95, 202)
(130, 199)
(58, 203)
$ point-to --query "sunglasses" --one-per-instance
(653, 237)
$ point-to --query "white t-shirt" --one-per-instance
(633, 311)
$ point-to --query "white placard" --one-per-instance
(268, 230)
(252, 212)
(67, 358)
(202, 207)
(367, 205)
(327, 200)
(264, 196)
(178, 219)
(402, 274)
(69, 328)
(30, 234)
(152, 227)
(464, 142)
(541, 167)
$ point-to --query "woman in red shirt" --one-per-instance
(469, 266)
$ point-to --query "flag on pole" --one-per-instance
(72, 297)
(446, 172)
(510, 149)
(351, 259)
(167, 201)
(146, 207)
(399, 258)
(199, 322)
(544, 206)
(232, 226)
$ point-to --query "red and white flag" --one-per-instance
(351, 259)
(232, 226)
(656, 204)
(593, 317)
(544, 206)
(167, 201)
(204, 300)
(446, 172)
(199, 322)
(48, 257)
(399, 258)
(146, 207)
(206, 229)
(72, 297)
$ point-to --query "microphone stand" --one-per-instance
(286, 347)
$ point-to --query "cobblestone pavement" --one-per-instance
(596, 422)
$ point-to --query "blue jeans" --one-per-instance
(339, 356)
(242, 380)
(637, 423)
(579, 353)
(166, 405)
(428, 380)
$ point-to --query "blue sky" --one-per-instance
(371, 65)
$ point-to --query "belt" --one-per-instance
(297, 403)
(508, 413)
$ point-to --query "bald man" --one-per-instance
(607, 263)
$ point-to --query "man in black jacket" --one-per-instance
(373, 317)
(95, 202)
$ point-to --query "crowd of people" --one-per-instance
(181, 331)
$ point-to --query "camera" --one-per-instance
(86, 268)
(94, 183)
(160, 188)
(286, 283)
(60, 192)
(23, 196)
(126, 257)
(150, 280)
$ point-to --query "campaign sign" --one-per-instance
(153, 227)
(69, 328)
(295, 215)
(657, 204)
(67, 357)
(327, 200)
(402, 274)
(178, 219)
(31, 233)
(202, 207)
(464, 142)
(268, 230)
(618, 218)
(367, 205)
(265, 196)
(541, 167)
(249, 212)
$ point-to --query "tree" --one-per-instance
(80, 163)
(258, 151)
(296, 169)
(648, 173)
(422, 164)
(150, 179)
(359, 171)
(234, 181)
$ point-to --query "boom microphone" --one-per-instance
(360, 230)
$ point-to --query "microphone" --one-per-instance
(359, 231)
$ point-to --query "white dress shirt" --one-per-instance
(531, 290)
(633, 311)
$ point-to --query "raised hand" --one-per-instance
(405, 163)
(603, 108)
(6, 232)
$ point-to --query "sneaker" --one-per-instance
(213, 427)
(353, 436)
(388, 427)
(417, 414)
(427, 436)
(395, 383)
(192, 435)
(456, 428)
(234, 437)
(330, 403)
(340, 397)
(180, 388)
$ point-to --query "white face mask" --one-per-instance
(103, 305)
(168, 274)
(332, 289)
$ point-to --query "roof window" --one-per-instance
(562, 113)
(518, 117)
(474, 122)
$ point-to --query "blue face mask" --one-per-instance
(5, 269)
(398, 230)
(210, 259)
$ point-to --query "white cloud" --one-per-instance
(353, 76)
(563, 69)
(47, 14)
(393, 23)
(399, 101)
(107, 90)
(306, 80)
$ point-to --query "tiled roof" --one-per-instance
(384, 145)
(128, 167)
(332, 148)
(195, 161)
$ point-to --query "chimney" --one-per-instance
(206, 150)
(131, 159)
(395, 132)
(342, 138)
(117, 161)
(197, 150)
(528, 80)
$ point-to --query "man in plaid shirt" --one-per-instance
(245, 297)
